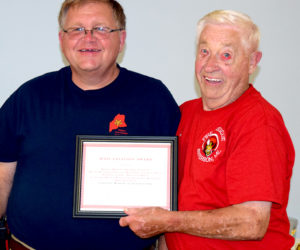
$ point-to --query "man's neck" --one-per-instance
(210, 104)
(94, 80)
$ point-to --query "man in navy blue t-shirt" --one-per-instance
(40, 120)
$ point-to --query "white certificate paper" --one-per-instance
(118, 174)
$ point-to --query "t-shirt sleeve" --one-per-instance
(259, 166)
(168, 112)
(8, 130)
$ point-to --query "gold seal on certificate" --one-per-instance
(117, 172)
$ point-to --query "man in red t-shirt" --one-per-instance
(235, 154)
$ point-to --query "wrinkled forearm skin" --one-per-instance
(246, 221)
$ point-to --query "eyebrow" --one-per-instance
(226, 45)
(202, 43)
(80, 24)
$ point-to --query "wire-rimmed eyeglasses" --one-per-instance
(98, 32)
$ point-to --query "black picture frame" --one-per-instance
(165, 145)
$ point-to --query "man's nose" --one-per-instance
(212, 64)
(89, 34)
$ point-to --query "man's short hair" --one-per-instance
(251, 34)
(116, 7)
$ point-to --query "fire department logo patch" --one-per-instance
(213, 144)
(210, 145)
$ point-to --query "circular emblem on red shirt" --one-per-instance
(213, 144)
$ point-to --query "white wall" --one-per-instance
(160, 43)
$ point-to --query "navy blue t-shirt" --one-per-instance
(38, 128)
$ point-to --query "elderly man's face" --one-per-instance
(89, 53)
(222, 65)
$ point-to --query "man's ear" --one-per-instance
(122, 40)
(254, 60)
(60, 34)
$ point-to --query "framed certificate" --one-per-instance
(117, 172)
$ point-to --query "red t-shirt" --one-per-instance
(238, 153)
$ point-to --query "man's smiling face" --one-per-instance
(88, 53)
(222, 65)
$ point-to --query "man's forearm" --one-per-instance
(7, 172)
(246, 221)
(238, 222)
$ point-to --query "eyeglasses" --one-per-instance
(98, 32)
